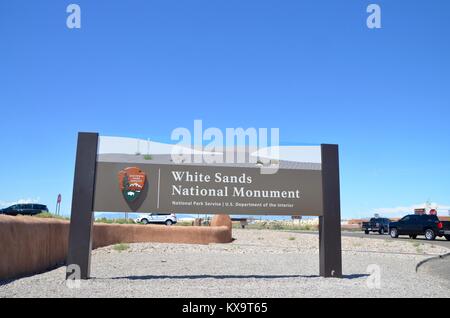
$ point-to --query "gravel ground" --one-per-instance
(259, 263)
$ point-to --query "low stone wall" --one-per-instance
(108, 234)
(30, 245)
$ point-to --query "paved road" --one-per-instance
(421, 239)
(438, 267)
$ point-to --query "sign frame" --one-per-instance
(82, 214)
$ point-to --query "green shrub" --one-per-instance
(114, 221)
(277, 226)
(48, 215)
(121, 247)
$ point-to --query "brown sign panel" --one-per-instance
(147, 187)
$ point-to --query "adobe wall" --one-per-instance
(30, 245)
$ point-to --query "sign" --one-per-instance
(205, 189)
(58, 205)
(111, 175)
(419, 211)
(160, 185)
(132, 182)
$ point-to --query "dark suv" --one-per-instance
(413, 225)
(24, 209)
(380, 225)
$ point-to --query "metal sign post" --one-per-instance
(82, 215)
(330, 222)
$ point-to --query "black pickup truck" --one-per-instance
(413, 225)
(380, 225)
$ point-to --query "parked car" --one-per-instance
(25, 209)
(414, 225)
(380, 225)
(157, 218)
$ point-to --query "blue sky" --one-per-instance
(311, 68)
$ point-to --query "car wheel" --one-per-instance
(447, 237)
(144, 221)
(394, 233)
(366, 232)
(430, 235)
(413, 237)
(169, 222)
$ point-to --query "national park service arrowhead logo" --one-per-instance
(132, 183)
